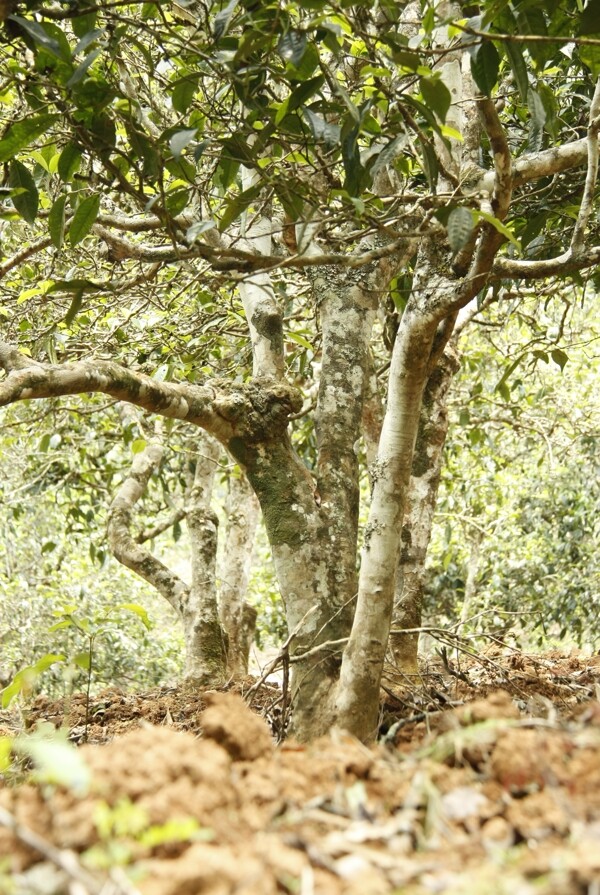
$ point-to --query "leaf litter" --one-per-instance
(486, 779)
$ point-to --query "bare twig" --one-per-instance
(284, 651)
(67, 861)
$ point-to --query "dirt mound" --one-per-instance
(493, 800)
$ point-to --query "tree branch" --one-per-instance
(549, 162)
(565, 263)
(27, 379)
(123, 545)
(585, 210)
(24, 254)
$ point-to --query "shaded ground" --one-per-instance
(486, 780)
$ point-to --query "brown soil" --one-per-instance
(486, 780)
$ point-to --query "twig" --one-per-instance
(284, 651)
(67, 861)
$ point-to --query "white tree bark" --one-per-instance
(238, 617)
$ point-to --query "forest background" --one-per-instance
(297, 210)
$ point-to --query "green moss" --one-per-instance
(269, 327)
(239, 450)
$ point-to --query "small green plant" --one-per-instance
(90, 630)
(125, 826)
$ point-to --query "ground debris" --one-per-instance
(488, 792)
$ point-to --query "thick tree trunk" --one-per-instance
(420, 509)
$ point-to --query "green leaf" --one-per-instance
(88, 38)
(305, 68)
(75, 285)
(74, 307)
(590, 56)
(222, 19)
(176, 201)
(499, 226)
(39, 34)
(137, 610)
(138, 446)
(25, 679)
(56, 222)
(536, 107)
(82, 25)
(485, 64)
(502, 386)
(83, 66)
(589, 22)
(22, 133)
(183, 94)
(387, 154)
(322, 130)
(519, 68)
(84, 218)
(298, 97)
(460, 227)
(195, 230)
(559, 357)
(26, 200)
(57, 761)
(69, 162)
(238, 205)
(83, 660)
(291, 46)
(300, 340)
(436, 96)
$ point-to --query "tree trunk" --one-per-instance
(206, 641)
(238, 618)
(420, 509)
(357, 699)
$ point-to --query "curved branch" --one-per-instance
(24, 254)
(549, 162)
(124, 546)
(565, 263)
(491, 239)
(502, 157)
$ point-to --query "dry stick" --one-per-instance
(65, 860)
(284, 651)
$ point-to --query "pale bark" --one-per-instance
(238, 617)
(205, 638)
(420, 509)
(265, 323)
(125, 548)
(476, 541)
(196, 605)
(357, 698)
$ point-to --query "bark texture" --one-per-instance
(238, 617)
(196, 605)
(420, 509)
